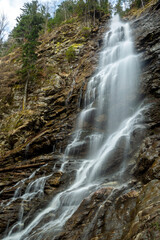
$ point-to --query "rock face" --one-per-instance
(132, 211)
(33, 140)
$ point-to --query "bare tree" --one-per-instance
(54, 7)
(142, 3)
(3, 26)
(45, 10)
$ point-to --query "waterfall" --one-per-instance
(102, 138)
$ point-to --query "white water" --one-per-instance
(111, 114)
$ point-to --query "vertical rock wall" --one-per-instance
(33, 140)
(132, 211)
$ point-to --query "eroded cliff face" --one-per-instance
(33, 140)
(36, 137)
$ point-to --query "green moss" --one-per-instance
(83, 39)
(66, 40)
(75, 45)
(58, 47)
(58, 44)
(18, 86)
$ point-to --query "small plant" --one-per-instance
(70, 20)
(156, 225)
(85, 32)
(70, 54)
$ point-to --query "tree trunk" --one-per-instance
(25, 94)
(142, 3)
(94, 16)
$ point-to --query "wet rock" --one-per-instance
(54, 181)
(127, 214)
(95, 218)
(116, 215)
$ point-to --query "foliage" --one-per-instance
(80, 8)
(122, 7)
(29, 24)
(139, 3)
(7, 47)
(85, 31)
(26, 32)
(105, 6)
(71, 20)
(85, 9)
(70, 54)
(119, 8)
(65, 11)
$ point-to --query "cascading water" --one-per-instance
(105, 126)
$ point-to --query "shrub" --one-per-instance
(70, 54)
(85, 32)
(70, 20)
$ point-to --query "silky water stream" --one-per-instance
(105, 127)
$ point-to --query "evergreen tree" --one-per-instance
(26, 33)
(29, 25)
(82, 8)
(118, 8)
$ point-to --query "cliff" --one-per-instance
(133, 211)
(34, 139)
(38, 135)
